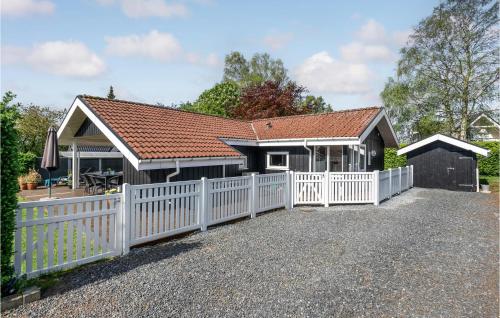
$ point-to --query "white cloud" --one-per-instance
(322, 73)
(278, 41)
(26, 7)
(156, 45)
(71, 58)
(149, 8)
(359, 52)
(372, 32)
(400, 38)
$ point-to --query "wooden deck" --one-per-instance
(57, 192)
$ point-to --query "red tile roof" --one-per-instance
(346, 123)
(154, 132)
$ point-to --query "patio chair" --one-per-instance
(88, 184)
(115, 182)
(96, 184)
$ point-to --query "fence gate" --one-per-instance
(308, 187)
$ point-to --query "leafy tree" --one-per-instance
(259, 69)
(10, 171)
(449, 69)
(111, 93)
(270, 99)
(27, 160)
(488, 166)
(33, 124)
(188, 106)
(219, 100)
(313, 104)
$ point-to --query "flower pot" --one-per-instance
(23, 186)
(485, 187)
(32, 186)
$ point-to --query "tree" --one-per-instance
(32, 125)
(259, 69)
(111, 93)
(219, 100)
(10, 171)
(449, 69)
(270, 99)
(313, 104)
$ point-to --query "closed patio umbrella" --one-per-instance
(50, 160)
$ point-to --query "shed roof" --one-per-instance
(449, 140)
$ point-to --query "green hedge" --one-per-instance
(392, 160)
(27, 161)
(488, 166)
(10, 171)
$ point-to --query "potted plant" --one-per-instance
(33, 178)
(485, 185)
(22, 182)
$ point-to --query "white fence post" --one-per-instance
(326, 193)
(202, 215)
(399, 171)
(390, 183)
(376, 183)
(253, 196)
(124, 220)
(407, 177)
(411, 170)
(292, 189)
(288, 199)
(477, 179)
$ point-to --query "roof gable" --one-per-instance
(449, 140)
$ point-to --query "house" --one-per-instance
(484, 128)
(161, 144)
(444, 162)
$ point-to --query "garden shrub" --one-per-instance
(392, 160)
(27, 161)
(10, 171)
(488, 166)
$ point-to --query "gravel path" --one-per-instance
(424, 253)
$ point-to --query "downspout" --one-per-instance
(176, 172)
(310, 154)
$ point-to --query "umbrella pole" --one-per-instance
(50, 184)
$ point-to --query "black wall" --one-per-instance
(444, 166)
(132, 176)
(298, 158)
(375, 142)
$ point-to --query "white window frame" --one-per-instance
(281, 153)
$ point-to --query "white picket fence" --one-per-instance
(60, 234)
(349, 187)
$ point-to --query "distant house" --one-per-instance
(162, 144)
(484, 128)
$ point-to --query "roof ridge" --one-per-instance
(162, 107)
(320, 114)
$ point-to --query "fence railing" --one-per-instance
(64, 233)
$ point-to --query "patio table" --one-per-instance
(106, 176)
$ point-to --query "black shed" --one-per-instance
(444, 162)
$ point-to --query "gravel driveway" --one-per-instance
(424, 253)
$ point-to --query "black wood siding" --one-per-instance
(132, 176)
(88, 128)
(444, 166)
(375, 142)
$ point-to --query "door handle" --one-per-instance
(450, 168)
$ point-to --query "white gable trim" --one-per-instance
(493, 123)
(102, 127)
(382, 114)
(446, 139)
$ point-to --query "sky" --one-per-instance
(169, 51)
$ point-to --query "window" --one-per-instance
(277, 160)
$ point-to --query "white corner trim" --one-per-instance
(281, 153)
(102, 127)
(446, 139)
(92, 154)
(374, 123)
(239, 142)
